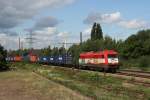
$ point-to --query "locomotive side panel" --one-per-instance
(106, 59)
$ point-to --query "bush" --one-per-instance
(3, 66)
(144, 62)
(129, 63)
(3, 54)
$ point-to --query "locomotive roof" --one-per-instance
(100, 53)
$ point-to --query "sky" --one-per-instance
(52, 22)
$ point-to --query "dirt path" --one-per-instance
(28, 86)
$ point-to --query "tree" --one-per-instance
(55, 51)
(96, 32)
(93, 33)
(62, 50)
(46, 51)
(75, 51)
(92, 45)
(3, 54)
(137, 45)
(99, 32)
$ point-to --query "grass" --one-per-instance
(25, 85)
(92, 84)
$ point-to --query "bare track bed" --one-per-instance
(28, 86)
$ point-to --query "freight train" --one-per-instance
(106, 60)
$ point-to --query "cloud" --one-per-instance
(41, 38)
(46, 22)
(45, 33)
(63, 34)
(9, 42)
(115, 19)
(102, 18)
(87, 31)
(15, 12)
(9, 33)
(44, 37)
(134, 24)
(44, 27)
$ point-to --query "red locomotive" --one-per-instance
(104, 60)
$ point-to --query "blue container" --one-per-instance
(63, 59)
(67, 59)
(43, 59)
(51, 59)
(58, 59)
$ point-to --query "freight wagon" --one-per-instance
(33, 58)
(44, 59)
(18, 58)
(65, 59)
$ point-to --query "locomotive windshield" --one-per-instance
(112, 56)
(112, 59)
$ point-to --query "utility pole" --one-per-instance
(19, 43)
(80, 38)
(30, 39)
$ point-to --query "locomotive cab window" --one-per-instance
(112, 56)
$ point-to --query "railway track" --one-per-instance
(133, 73)
(136, 71)
(134, 77)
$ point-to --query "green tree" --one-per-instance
(75, 51)
(3, 55)
(55, 51)
(93, 33)
(137, 45)
(96, 32)
(62, 50)
(47, 51)
(99, 34)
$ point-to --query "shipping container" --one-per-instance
(43, 59)
(33, 58)
(51, 60)
(18, 58)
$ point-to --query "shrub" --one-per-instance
(3, 64)
(144, 62)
